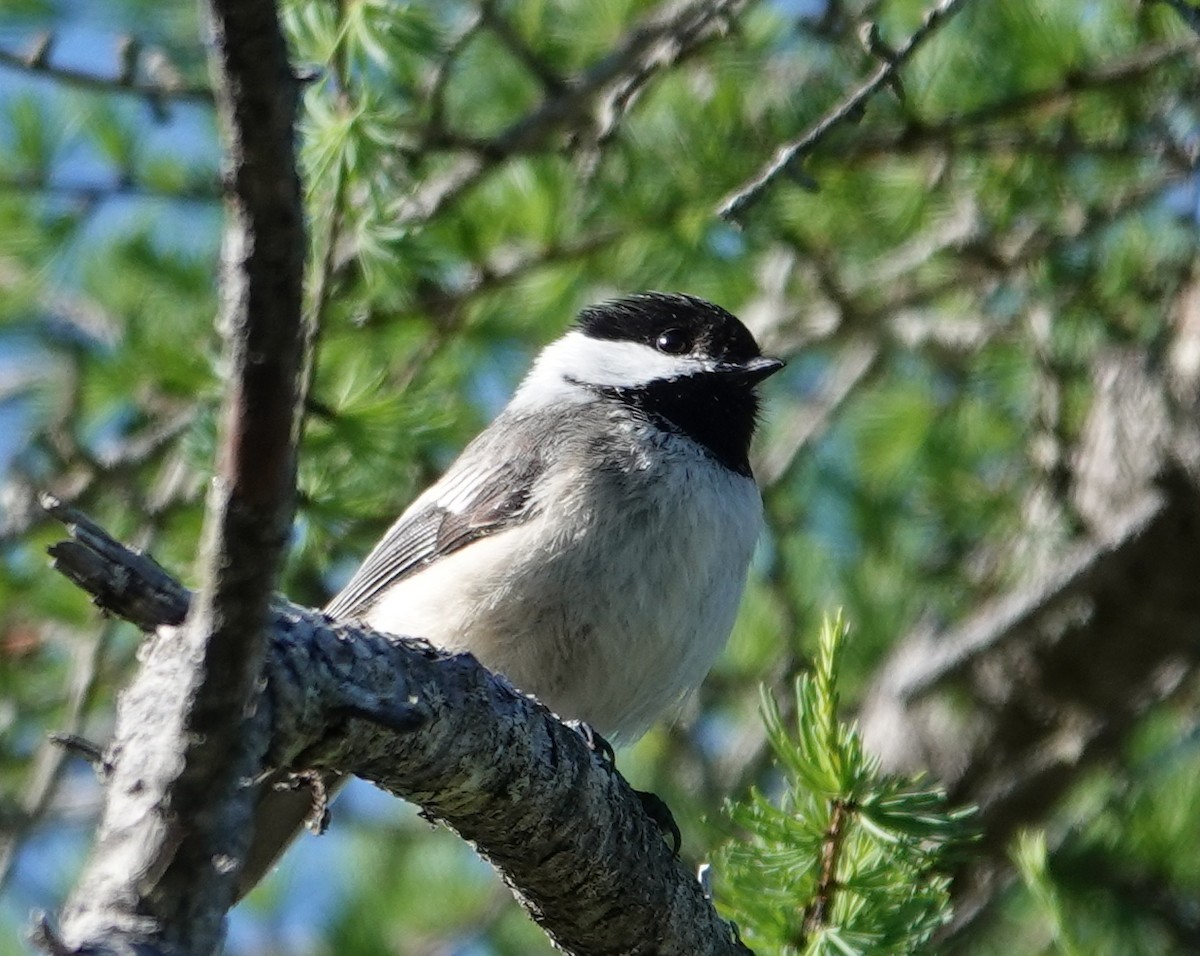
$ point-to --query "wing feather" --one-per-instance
(467, 504)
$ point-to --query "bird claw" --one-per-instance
(657, 810)
(653, 805)
(317, 820)
(595, 742)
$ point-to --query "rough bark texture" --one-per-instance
(560, 824)
(189, 731)
(1009, 706)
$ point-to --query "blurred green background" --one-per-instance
(977, 250)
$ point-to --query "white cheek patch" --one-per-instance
(566, 367)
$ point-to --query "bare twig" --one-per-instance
(995, 256)
(320, 278)
(89, 750)
(83, 472)
(1117, 73)
(551, 82)
(662, 40)
(788, 156)
(968, 131)
(803, 424)
(89, 193)
(37, 63)
(675, 49)
(158, 598)
(50, 758)
(1063, 145)
(449, 309)
(442, 72)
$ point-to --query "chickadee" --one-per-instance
(592, 543)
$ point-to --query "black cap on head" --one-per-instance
(671, 321)
(713, 402)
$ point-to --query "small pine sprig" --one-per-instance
(848, 860)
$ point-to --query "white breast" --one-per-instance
(615, 599)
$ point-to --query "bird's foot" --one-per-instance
(313, 781)
(595, 742)
(657, 810)
(654, 805)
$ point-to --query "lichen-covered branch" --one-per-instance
(560, 824)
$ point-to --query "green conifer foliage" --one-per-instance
(846, 860)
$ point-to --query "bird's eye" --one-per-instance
(673, 342)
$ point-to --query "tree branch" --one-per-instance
(1057, 675)
(198, 191)
(817, 913)
(190, 729)
(564, 829)
(51, 755)
(38, 64)
(788, 156)
(662, 40)
(504, 31)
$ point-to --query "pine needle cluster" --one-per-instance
(848, 860)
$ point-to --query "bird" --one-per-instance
(591, 544)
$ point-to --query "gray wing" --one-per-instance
(471, 501)
(468, 503)
(475, 498)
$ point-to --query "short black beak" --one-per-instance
(755, 370)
